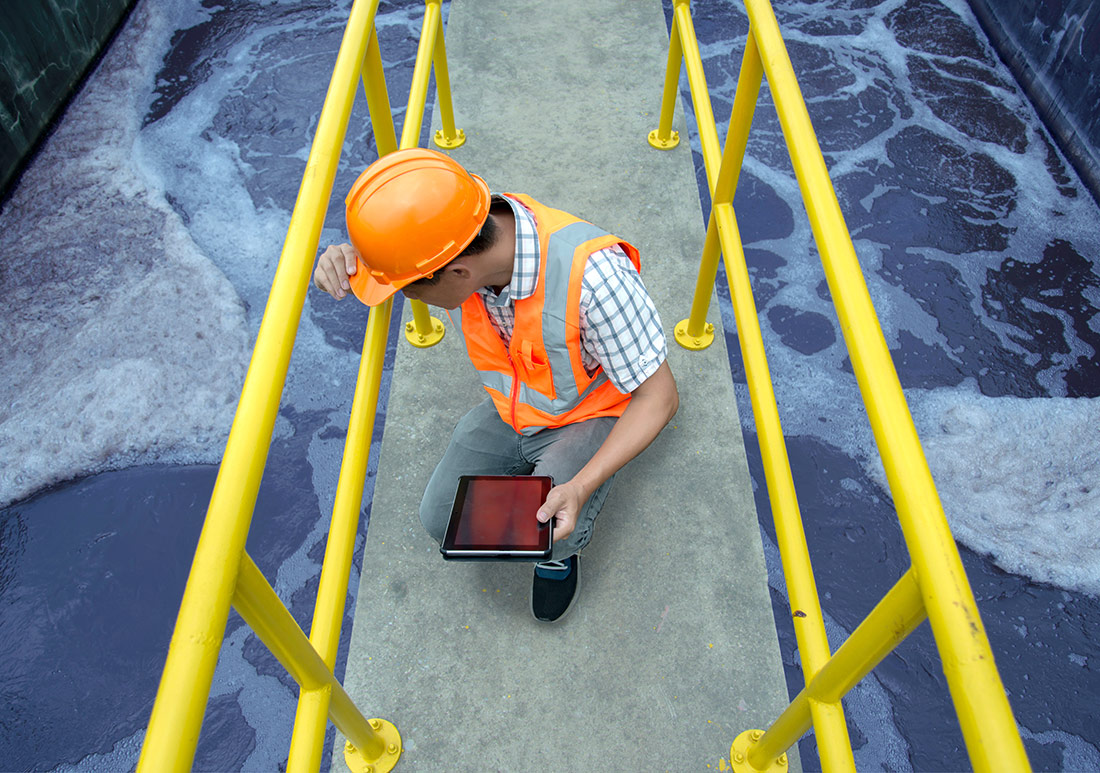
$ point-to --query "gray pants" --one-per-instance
(482, 444)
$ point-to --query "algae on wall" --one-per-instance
(1051, 46)
(46, 46)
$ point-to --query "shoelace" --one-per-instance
(553, 566)
(554, 570)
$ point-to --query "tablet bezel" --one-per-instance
(496, 552)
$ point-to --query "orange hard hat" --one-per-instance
(410, 213)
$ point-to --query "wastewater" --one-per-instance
(182, 154)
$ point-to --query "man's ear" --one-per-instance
(459, 268)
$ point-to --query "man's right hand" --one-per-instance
(336, 264)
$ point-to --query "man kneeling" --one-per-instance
(555, 319)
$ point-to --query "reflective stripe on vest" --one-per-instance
(544, 357)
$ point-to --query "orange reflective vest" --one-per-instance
(539, 380)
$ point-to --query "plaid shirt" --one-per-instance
(620, 329)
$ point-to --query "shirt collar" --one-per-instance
(525, 267)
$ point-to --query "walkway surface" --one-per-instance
(671, 649)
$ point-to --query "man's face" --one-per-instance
(452, 289)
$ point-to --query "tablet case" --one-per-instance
(493, 518)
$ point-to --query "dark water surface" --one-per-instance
(980, 249)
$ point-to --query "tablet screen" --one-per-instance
(496, 514)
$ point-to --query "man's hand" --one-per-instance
(651, 407)
(563, 504)
(336, 264)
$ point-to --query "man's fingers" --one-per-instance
(559, 506)
(351, 260)
(550, 507)
(327, 279)
(334, 266)
(561, 532)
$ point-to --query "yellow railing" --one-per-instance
(935, 586)
(222, 573)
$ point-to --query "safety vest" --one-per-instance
(539, 380)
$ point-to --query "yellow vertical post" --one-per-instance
(309, 723)
(448, 137)
(422, 70)
(695, 332)
(424, 330)
(737, 135)
(378, 97)
(663, 138)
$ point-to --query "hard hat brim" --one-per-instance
(368, 289)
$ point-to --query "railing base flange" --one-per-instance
(739, 755)
(451, 143)
(424, 340)
(669, 143)
(357, 763)
(695, 343)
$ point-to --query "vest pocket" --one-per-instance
(534, 368)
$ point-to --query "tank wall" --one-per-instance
(1052, 46)
(45, 48)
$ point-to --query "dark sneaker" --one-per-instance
(555, 588)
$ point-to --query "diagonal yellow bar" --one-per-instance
(378, 98)
(265, 614)
(700, 94)
(894, 618)
(693, 333)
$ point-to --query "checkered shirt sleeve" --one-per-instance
(620, 328)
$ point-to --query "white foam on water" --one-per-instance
(206, 176)
(1019, 479)
(1077, 753)
(1028, 509)
(122, 756)
(123, 343)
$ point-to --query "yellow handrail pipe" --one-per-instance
(992, 739)
(222, 573)
(834, 746)
(936, 585)
(723, 239)
(313, 707)
(174, 725)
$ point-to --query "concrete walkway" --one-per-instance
(671, 649)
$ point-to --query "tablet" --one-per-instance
(493, 518)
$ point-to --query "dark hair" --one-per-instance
(484, 239)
